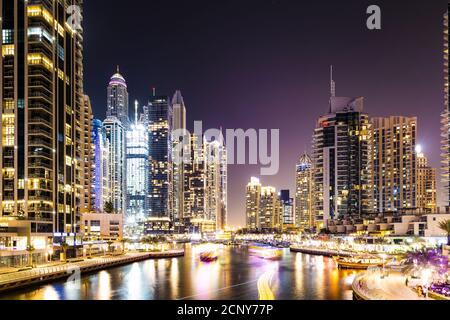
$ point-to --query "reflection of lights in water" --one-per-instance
(134, 282)
(50, 293)
(350, 279)
(174, 277)
(299, 272)
(207, 277)
(104, 286)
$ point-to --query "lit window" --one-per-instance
(8, 36)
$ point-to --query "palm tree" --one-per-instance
(109, 207)
(90, 250)
(64, 247)
(109, 243)
(445, 226)
(30, 250)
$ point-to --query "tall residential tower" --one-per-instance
(41, 105)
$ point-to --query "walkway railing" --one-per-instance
(68, 268)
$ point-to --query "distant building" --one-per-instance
(253, 200)
(137, 174)
(286, 209)
(426, 185)
(269, 209)
(115, 134)
(194, 185)
(304, 194)
(117, 99)
(341, 160)
(160, 151)
(394, 163)
(101, 181)
(178, 150)
(216, 183)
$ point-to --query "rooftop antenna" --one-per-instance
(154, 91)
(332, 83)
(136, 105)
(118, 69)
(332, 88)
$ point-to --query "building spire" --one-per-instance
(332, 83)
(332, 89)
(136, 106)
(118, 69)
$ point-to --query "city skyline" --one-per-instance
(320, 132)
(292, 77)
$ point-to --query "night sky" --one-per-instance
(265, 64)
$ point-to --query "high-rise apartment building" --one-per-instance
(87, 157)
(101, 181)
(341, 160)
(253, 200)
(137, 171)
(179, 148)
(216, 183)
(160, 150)
(115, 134)
(426, 185)
(446, 117)
(269, 209)
(194, 184)
(41, 103)
(304, 195)
(394, 164)
(287, 217)
(117, 99)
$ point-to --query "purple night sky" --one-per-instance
(265, 64)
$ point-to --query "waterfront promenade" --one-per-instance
(371, 286)
(16, 280)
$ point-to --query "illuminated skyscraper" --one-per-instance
(269, 209)
(160, 150)
(115, 134)
(118, 98)
(342, 160)
(286, 209)
(253, 199)
(194, 183)
(446, 117)
(304, 196)
(178, 149)
(41, 100)
(101, 182)
(87, 157)
(426, 185)
(216, 183)
(394, 163)
(137, 171)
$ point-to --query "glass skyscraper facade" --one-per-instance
(115, 133)
(137, 171)
(100, 177)
(160, 124)
(341, 161)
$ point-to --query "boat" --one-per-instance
(266, 252)
(358, 262)
(209, 256)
